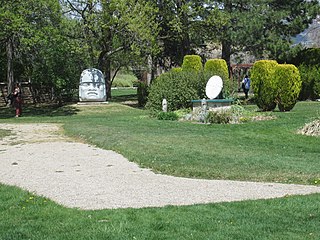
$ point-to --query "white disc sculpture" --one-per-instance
(214, 87)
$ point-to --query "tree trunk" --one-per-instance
(107, 75)
(185, 38)
(226, 53)
(104, 65)
(10, 79)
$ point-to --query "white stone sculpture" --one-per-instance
(92, 86)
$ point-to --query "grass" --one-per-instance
(124, 95)
(124, 79)
(259, 151)
(255, 151)
(26, 216)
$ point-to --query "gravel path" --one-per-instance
(40, 159)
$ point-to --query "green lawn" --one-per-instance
(25, 216)
(256, 151)
(124, 79)
(259, 151)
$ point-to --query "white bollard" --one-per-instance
(164, 105)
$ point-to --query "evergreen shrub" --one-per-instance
(177, 69)
(288, 84)
(316, 88)
(309, 57)
(177, 87)
(310, 76)
(192, 63)
(217, 67)
(264, 84)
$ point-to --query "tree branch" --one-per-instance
(115, 74)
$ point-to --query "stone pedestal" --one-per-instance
(211, 104)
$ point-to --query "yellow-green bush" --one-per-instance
(217, 67)
(176, 69)
(264, 84)
(192, 63)
(288, 84)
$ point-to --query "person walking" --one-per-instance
(246, 85)
(17, 100)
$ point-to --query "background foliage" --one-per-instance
(145, 36)
(307, 61)
(310, 76)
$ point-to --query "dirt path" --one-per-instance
(40, 159)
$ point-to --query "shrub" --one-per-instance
(219, 117)
(192, 63)
(310, 76)
(177, 69)
(264, 84)
(178, 88)
(167, 116)
(142, 92)
(217, 67)
(316, 88)
(309, 57)
(288, 81)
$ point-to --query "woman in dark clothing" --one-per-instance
(17, 99)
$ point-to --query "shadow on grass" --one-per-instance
(43, 110)
(124, 98)
(128, 99)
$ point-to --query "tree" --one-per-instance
(117, 32)
(42, 47)
(58, 60)
(262, 27)
(22, 26)
(12, 24)
(182, 30)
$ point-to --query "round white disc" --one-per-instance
(214, 87)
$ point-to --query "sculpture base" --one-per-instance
(197, 105)
(91, 103)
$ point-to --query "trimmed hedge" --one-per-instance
(264, 84)
(176, 69)
(217, 67)
(192, 63)
(288, 84)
